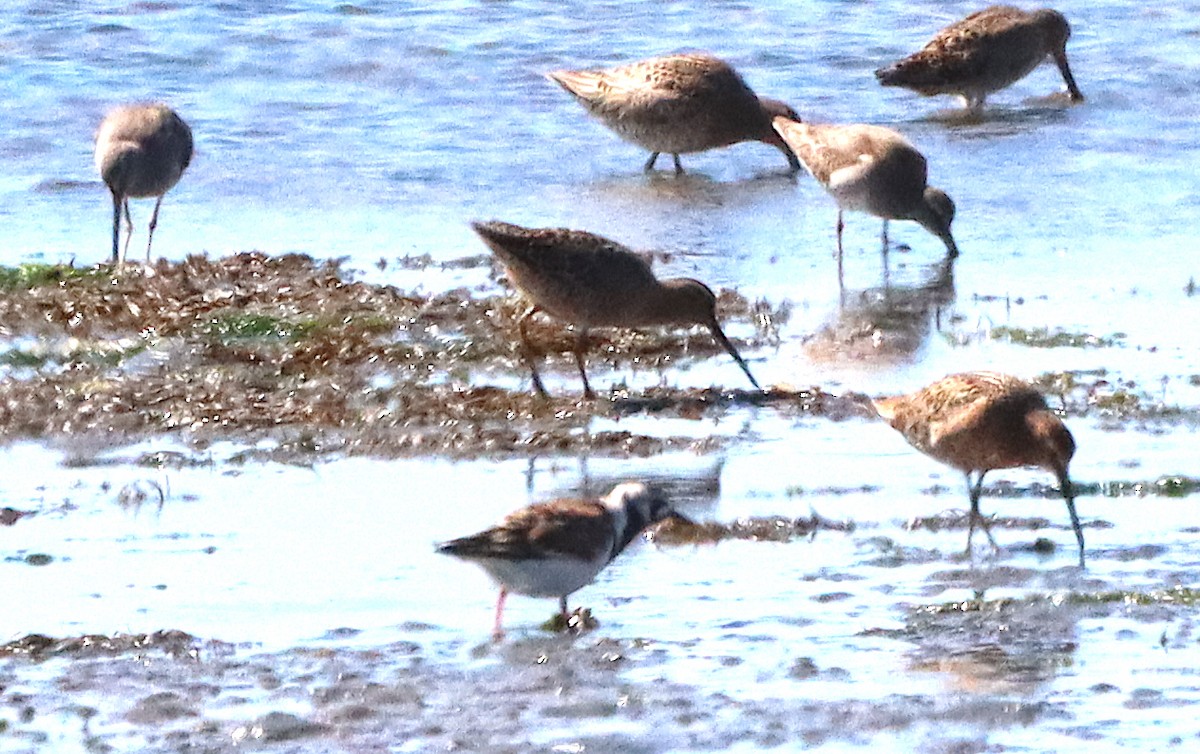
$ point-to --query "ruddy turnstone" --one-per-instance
(552, 549)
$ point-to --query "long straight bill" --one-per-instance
(724, 342)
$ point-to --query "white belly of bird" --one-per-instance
(546, 577)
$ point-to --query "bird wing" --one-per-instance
(654, 90)
(817, 148)
(562, 528)
(957, 52)
(841, 156)
(552, 263)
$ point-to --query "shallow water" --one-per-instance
(377, 132)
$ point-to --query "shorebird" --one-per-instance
(871, 169)
(985, 52)
(589, 281)
(552, 549)
(979, 421)
(678, 104)
(141, 151)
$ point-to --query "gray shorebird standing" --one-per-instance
(552, 549)
(590, 281)
(979, 421)
(871, 169)
(678, 104)
(985, 52)
(141, 151)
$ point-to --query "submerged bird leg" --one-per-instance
(841, 225)
(887, 272)
(1068, 493)
(128, 231)
(974, 491)
(580, 345)
(650, 162)
(497, 630)
(841, 278)
(153, 225)
(678, 164)
(527, 351)
(116, 257)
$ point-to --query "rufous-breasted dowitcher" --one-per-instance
(985, 52)
(589, 281)
(141, 151)
(678, 104)
(979, 421)
(552, 549)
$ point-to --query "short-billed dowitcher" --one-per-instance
(979, 421)
(552, 549)
(141, 151)
(871, 169)
(985, 52)
(590, 281)
(678, 104)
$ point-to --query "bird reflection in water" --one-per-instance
(886, 323)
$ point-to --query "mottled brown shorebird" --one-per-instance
(979, 421)
(589, 281)
(678, 104)
(871, 169)
(985, 52)
(141, 151)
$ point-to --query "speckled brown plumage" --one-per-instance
(589, 281)
(979, 421)
(871, 169)
(985, 52)
(141, 151)
(677, 104)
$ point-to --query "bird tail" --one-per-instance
(885, 408)
(583, 85)
(466, 547)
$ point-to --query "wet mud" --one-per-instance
(568, 692)
(251, 346)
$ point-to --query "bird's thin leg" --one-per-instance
(678, 164)
(116, 252)
(128, 231)
(841, 276)
(1069, 495)
(650, 162)
(580, 345)
(562, 607)
(153, 225)
(974, 491)
(497, 629)
(527, 351)
(887, 272)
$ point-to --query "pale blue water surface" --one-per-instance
(378, 130)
